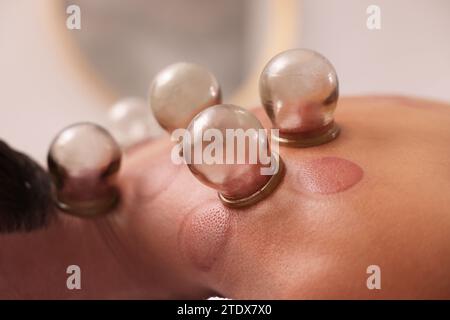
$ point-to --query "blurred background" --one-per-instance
(51, 76)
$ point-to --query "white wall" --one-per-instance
(409, 55)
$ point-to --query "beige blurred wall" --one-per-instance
(41, 89)
(410, 54)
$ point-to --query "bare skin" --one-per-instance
(172, 238)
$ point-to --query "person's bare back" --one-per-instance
(378, 196)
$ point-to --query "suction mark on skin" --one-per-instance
(328, 175)
(205, 233)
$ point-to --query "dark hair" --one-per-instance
(25, 192)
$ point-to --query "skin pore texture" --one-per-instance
(377, 195)
(328, 175)
(204, 234)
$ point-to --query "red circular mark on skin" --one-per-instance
(204, 235)
(328, 175)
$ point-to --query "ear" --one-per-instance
(25, 192)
